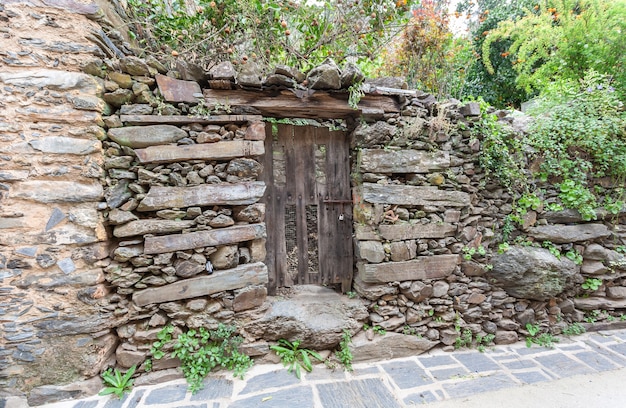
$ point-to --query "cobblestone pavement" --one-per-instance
(404, 382)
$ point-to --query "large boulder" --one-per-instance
(532, 273)
(315, 315)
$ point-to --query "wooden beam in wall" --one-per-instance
(300, 104)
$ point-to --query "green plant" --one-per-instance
(351, 294)
(200, 351)
(484, 341)
(574, 329)
(592, 316)
(554, 250)
(355, 94)
(503, 247)
(164, 336)
(562, 40)
(464, 339)
(116, 383)
(574, 256)
(543, 339)
(345, 354)
(294, 357)
(379, 330)
(469, 252)
(591, 284)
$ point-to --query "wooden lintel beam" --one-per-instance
(314, 104)
(183, 119)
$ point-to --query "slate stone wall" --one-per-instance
(126, 206)
(52, 238)
(428, 229)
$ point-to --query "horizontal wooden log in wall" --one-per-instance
(160, 198)
(229, 279)
(184, 119)
(426, 267)
(312, 104)
(200, 239)
(225, 150)
(413, 195)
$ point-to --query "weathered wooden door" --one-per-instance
(309, 207)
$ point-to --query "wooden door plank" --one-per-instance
(185, 119)
(268, 199)
(341, 213)
(299, 176)
(324, 236)
(284, 138)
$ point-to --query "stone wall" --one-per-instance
(126, 206)
(52, 237)
(429, 225)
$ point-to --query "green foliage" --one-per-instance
(427, 54)
(574, 256)
(464, 339)
(469, 252)
(591, 284)
(483, 341)
(574, 329)
(293, 357)
(116, 383)
(356, 93)
(376, 329)
(543, 339)
(164, 336)
(497, 88)
(562, 40)
(300, 34)
(554, 250)
(501, 152)
(344, 354)
(202, 350)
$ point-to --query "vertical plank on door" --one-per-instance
(284, 141)
(270, 205)
(324, 233)
(340, 156)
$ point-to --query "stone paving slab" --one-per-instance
(398, 383)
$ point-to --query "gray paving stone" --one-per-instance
(596, 361)
(518, 364)
(274, 379)
(86, 404)
(529, 351)
(407, 374)
(562, 365)
(166, 395)
(600, 338)
(420, 398)
(477, 362)
(366, 371)
(214, 388)
(433, 361)
(478, 385)
(133, 398)
(367, 393)
(617, 358)
(532, 377)
(443, 374)
(194, 406)
(569, 347)
(323, 373)
(301, 397)
(618, 348)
